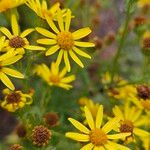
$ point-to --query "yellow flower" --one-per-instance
(53, 76)
(130, 121)
(123, 92)
(142, 3)
(41, 8)
(8, 4)
(96, 136)
(6, 60)
(14, 100)
(18, 41)
(63, 40)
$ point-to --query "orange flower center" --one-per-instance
(55, 79)
(13, 98)
(126, 126)
(98, 137)
(17, 42)
(65, 40)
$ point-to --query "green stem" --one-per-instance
(121, 42)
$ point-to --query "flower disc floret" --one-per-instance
(98, 137)
(16, 42)
(65, 40)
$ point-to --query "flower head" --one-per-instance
(54, 76)
(63, 40)
(15, 100)
(16, 147)
(41, 8)
(97, 136)
(130, 120)
(40, 136)
(6, 60)
(5, 5)
(51, 119)
(17, 41)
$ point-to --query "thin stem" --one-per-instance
(121, 42)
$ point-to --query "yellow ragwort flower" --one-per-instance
(17, 41)
(8, 4)
(15, 100)
(41, 8)
(142, 3)
(131, 120)
(63, 40)
(53, 76)
(96, 136)
(6, 60)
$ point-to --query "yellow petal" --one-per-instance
(65, 86)
(87, 147)
(81, 53)
(136, 115)
(14, 24)
(126, 110)
(11, 60)
(34, 48)
(77, 136)
(117, 146)
(51, 24)
(75, 58)
(63, 72)
(89, 118)
(52, 50)
(99, 148)
(84, 44)
(81, 33)
(68, 79)
(59, 57)
(54, 68)
(60, 20)
(46, 32)
(110, 124)
(99, 117)
(12, 73)
(66, 60)
(118, 136)
(79, 126)
(68, 20)
(26, 32)
(46, 41)
(118, 113)
(109, 147)
(6, 32)
(6, 81)
(141, 132)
